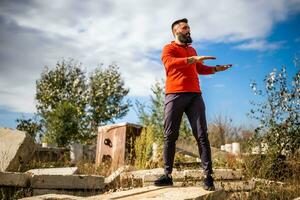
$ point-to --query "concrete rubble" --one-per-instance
(54, 171)
(67, 182)
(230, 180)
(147, 193)
(16, 149)
(14, 179)
(83, 185)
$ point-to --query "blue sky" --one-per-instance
(229, 93)
(256, 36)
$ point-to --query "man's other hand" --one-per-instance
(220, 68)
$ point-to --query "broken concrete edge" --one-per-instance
(77, 193)
(193, 175)
(152, 192)
(54, 171)
(25, 179)
(52, 196)
(236, 186)
(228, 186)
(16, 179)
(156, 192)
(230, 180)
(108, 180)
(121, 178)
(17, 148)
(28, 154)
(67, 182)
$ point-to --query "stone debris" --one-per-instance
(67, 182)
(54, 171)
(147, 193)
(53, 197)
(14, 179)
(16, 149)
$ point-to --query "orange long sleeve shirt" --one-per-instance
(181, 76)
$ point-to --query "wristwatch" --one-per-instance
(216, 68)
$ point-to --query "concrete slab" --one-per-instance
(14, 179)
(152, 174)
(67, 182)
(236, 186)
(115, 174)
(163, 193)
(228, 174)
(16, 149)
(54, 171)
(142, 173)
(74, 192)
(181, 176)
(219, 174)
(53, 196)
(146, 193)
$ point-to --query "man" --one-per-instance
(183, 95)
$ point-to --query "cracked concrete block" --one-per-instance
(14, 179)
(67, 182)
(16, 149)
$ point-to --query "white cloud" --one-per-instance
(38, 33)
(260, 45)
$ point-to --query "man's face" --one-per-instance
(183, 32)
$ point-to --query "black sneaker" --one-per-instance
(208, 183)
(164, 180)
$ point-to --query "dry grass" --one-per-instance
(287, 191)
(281, 175)
(93, 169)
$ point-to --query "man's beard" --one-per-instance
(186, 39)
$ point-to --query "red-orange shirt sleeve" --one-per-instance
(170, 60)
(204, 70)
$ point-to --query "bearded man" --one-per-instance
(183, 95)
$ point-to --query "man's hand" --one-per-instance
(220, 68)
(197, 59)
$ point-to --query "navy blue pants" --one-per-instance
(193, 106)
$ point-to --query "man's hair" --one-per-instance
(178, 22)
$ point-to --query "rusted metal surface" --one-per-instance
(115, 144)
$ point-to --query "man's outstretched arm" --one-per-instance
(206, 70)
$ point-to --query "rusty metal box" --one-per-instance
(115, 144)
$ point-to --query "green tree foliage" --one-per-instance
(30, 126)
(62, 89)
(279, 129)
(66, 82)
(279, 114)
(63, 124)
(107, 87)
(67, 100)
(153, 115)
